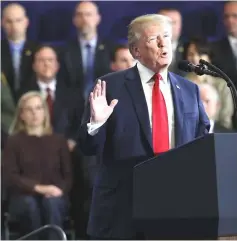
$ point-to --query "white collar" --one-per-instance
(212, 124)
(92, 42)
(232, 39)
(146, 74)
(51, 85)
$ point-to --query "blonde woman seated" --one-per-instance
(198, 49)
(36, 168)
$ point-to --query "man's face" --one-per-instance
(176, 18)
(123, 60)
(86, 18)
(46, 64)
(230, 18)
(210, 104)
(14, 22)
(154, 49)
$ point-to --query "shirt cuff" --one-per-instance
(93, 128)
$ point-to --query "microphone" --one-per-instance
(200, 69)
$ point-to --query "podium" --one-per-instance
(189, 192)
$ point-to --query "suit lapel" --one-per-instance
(7, 63)
(178, 108)
(98, 56)
(136, 92)
(57, 107)
(25, 55)
(75, 58)
(228, 52)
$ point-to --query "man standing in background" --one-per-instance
(177, 42)
(86, 57)
(225, 50)
(83, 60)
(17, 50)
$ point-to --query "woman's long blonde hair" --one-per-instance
(18, 125)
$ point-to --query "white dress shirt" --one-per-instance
(43, 87)
(233, 44)
(212, 125)
(83, 43)
(147, 84)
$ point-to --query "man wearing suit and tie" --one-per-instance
(225, 50)
(83, 60)
(17, 51)
(64, 109)
(133, 115)
(177, 41)
(86, 57)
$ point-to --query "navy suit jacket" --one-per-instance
(126, 140)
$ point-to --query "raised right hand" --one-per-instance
(100, 110)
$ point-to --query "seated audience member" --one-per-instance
(63, 103)
(36, 168)
(66, 105)
(121, 58)
(198, 49)
(7, 108)
(211, 102)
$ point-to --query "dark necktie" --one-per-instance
(49, 100)
(160, 127)
(89, 69)
(16, 65)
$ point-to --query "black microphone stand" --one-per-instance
(229, 82)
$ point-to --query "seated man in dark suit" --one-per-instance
(17, 50)
(133, 115)
(211, 102)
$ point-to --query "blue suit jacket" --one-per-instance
(125, 140)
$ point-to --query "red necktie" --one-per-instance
(49, 100)
(160, 127)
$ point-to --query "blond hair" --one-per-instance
(18, 125)
(137, 25)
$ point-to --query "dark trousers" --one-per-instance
(84, 172)
(32, 212)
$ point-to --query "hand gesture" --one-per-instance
(100, 110)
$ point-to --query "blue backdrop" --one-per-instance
(50, 21)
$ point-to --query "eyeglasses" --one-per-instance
(44, 60)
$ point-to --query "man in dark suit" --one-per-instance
(86, 57)
(225, 50)
(17, 51)
(64, 104)
(83, 60)
(211, 102)
(177, 42)
(133, 115)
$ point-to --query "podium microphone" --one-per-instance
(200, 69)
